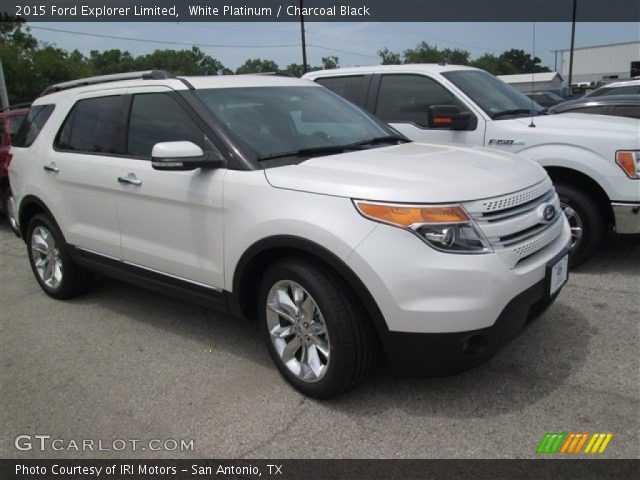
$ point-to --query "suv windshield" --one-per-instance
(279, 122)
(491, 94)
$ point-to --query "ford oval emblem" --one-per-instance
(546, 213)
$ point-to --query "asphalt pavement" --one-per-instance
(124, 363)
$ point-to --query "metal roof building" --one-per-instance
(536, 82)
(591, 64)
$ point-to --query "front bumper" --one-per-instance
(627, 217)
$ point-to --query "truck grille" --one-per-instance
(514, 223)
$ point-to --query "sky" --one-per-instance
(354, 43)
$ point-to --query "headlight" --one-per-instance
(447, 228)
(629, 161)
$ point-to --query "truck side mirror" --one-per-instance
(448, 117)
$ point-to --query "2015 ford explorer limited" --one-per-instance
(275, 199)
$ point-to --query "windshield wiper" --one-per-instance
(333, 148)
(516, 111)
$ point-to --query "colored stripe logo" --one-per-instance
(569, 443)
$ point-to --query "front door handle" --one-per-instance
(130, 180)
(51, 167)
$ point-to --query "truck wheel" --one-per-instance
(316, 334)
(52, 266)
(585, 219)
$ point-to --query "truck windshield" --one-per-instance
(278, 122)
(491, 94)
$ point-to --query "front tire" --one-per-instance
(586, 220)
(55, 271)
(316, 334)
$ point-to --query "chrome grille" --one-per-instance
(512, 223)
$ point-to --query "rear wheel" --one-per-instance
(316, 334)
(52, 266)
(586, 220)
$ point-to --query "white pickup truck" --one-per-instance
(593, 160)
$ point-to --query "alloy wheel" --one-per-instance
(575, 222)
(298, 331)
(46, 257)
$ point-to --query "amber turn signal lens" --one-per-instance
(405, 216)
(627, 161)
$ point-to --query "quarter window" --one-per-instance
(93, 126)
(155, 118)
(30, 128)
(407, 98)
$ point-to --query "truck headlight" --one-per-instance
(447, 228)
(629, 161)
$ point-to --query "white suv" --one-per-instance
(273, 198)
(593, 160)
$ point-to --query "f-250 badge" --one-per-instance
(506, 143)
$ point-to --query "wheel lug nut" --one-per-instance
(306, 325)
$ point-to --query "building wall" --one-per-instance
(592, 63)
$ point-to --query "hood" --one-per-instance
(585, 125)
(412, 172)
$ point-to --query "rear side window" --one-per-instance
(32, 125)
(407, 98)
(93, 126)
(347, 87)
(155, 118)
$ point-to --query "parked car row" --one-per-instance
(346, 230)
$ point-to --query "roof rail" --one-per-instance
(276, 74)
(81, 82)
(16, 106)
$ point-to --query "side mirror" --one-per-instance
(448, 117)
(183, 156)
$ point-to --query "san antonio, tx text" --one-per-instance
(143, 469)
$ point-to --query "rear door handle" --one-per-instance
(130, 180)
(51, 167)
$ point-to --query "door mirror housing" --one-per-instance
(449, 117)
(183, 156)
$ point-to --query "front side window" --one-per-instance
(32, 125)
(349, 87)
(155, 118)
(407, 98)
(491, 94)
(277, 120)
(93, 126)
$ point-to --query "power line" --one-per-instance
(422, 35)
(341, 51)
(164, 42)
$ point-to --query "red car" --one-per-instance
(10, 120)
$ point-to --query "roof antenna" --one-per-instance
(533, 63)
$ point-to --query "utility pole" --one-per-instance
(304, 41)
(555, 60)
(4, 99)
(573, 38)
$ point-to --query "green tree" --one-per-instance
(111, 61)
(455, 56)
(181, 62)
(523, 62)
(423, 53)
(256, 65)
(330, 62)
(389, 58)
(295, 69)
(493, 64)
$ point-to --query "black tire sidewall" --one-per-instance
(341, 360)
(593, 228)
